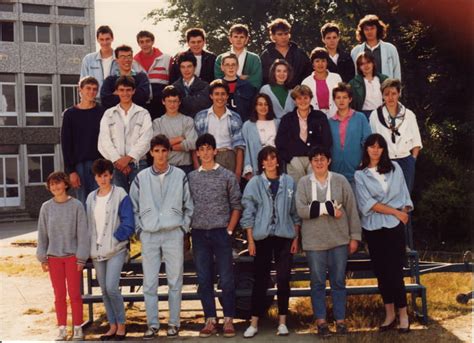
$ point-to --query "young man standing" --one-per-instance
(157, 66)
(178, 128)
(216, 196)
(79, 136)
(125, 133)
(241, 92)
(340, 62)
(124, 58)
(196, 39)
(370, 32)
(282, 48)
(226, 126)
(249, 65)
(194, 91)
(163, 208)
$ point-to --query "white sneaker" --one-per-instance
(78, 335)
(282, 330)
(250, 332)
(62, 334)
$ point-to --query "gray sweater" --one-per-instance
(216, 194)
(326, 232)
(63, 231)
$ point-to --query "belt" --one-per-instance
(224, 149)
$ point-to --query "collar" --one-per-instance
(228, 112)
(400, 115)
(188, 84)
(157, 172)
(312, 177)
(337, 117)
(300, 117)
(132, 72)
(216, 165)
(375, 47)
(244, 52)
(130, 111)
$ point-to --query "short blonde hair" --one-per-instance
(301, 90)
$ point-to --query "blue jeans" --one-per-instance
(124, 181)
(108, 275)
(209, 246)
(333, 261)
(88, 184)
(408, 167)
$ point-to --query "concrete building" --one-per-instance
(42, 43)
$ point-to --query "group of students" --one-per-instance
(313, 153)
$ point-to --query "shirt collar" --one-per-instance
(216, 165)
(243, 51)
(300, 117)
(188, 84)
(338, 117)
(210, 111)
(373, 48)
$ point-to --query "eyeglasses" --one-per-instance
(319, 160)
(125, 57)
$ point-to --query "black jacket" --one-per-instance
(207, 68)
(195, 99)
(345, 66)
(140, 98)
(242, 99)
(295, 56)
(288, 141)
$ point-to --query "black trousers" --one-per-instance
(270, 248)
(387, 252)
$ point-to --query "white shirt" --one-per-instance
(107, 65)
(197, 71)
(188, 84)
(380, 178)
(373, 94)
(267, 132)
(334, 58)
(99, 215)
(241, 58)
(125, 115)
(219, 128)
(409, 137)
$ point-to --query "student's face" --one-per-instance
(303, 102)
(238, 40)
(270, 164)
(391, 96)
(281, 38)
(331, 40)
(261, 107)
(206, 153)
(229, 68)
(342, 100)
(281, 74)
(219, 97)
(57, 188)
(187, 70)
(320, 164)
(125, 93)
(320, 65)
(370, 32)
(375, 152)
(366, 67)
(196, 45)
(146, 44)
(104, 179)
(88, 92)
(160, 155)
(105, 40)
(124, 60)
(171, 104)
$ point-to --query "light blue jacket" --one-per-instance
(369, 192)
(259, 208)
(161, 206)
(277, 108)
(252, 145)
(388, 55)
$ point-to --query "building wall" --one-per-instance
(33, 140)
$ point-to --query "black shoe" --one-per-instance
(107, 337)
(323, 330)
(404, 330)
(341, 329)
(120, 337)
(383, 328)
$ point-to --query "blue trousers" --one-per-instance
(88, 184)
(124, 181)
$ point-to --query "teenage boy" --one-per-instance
(216, 196)
(349, 130)
(163, 208)
(124, 58)
(157, 66)
(249, 66)
(194, 91)
(340, 62)
(226, 126)
(370, 32)
(79, 136)
(282, 48)
(178, 128)
(196, 39)
(125, 133)
(241, 92)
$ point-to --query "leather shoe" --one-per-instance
(107, 337)
(383, 328)
(404, 330)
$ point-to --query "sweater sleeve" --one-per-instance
(83, 235)
(43, 241)
(190, 135)
(302, 201)
(188, 205)
(235, 195)
(127, 221)
(350, 207)
(67, 143)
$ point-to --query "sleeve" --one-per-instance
(237, 139)
(188, 205)
(366, 130)
(218, 73)
(43, 241)
(83, 235)
(235, 196)
(104, 143)
(84, 68)
(282, 139)
(199, 123)
(365, 201)
(249, 204)
(265, 59)
(302, 201)
(190, 135)
(255, 73)
(247, 158)
(326, 133)
(295, 218)
(127, 221)
(142, 144)
(397, 72)
(67, 143)
(350, 207)
(415, 132)
(142, 91)
(135, 199)
(107, 96)
(156, 127)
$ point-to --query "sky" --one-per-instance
(126, 18)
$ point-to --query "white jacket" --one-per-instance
(332, 80)
(116, 140)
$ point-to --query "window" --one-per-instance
(71, 11)
(39, 100)
(36, 32)
(69, 91)
(8, 115)
(6, 31)
(71, 34)
(37, 9)
(40, 162)
(6, 7)
(9, 176)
